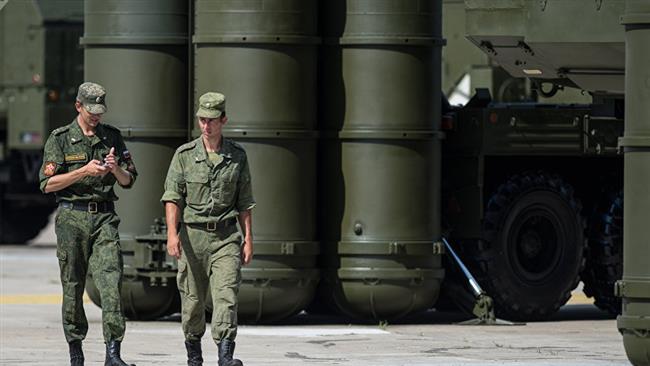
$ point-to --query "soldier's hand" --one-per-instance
(174, 246)
(247, 252)
(95, 168)
(110, 162)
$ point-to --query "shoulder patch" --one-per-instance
(60, 130)
(188, 146)
(49, 168)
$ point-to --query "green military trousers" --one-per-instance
(210, 260)
(88, 243)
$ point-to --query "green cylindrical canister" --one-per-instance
(262, 55)
(138, 51)
(380, 158)
(634, 288)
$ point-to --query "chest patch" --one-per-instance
(71, 158)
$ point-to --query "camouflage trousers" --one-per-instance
(209, 267)
(88, 243)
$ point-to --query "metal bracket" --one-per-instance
(438, 248)
(152, 257)
(637, 325)
(489, 48)
(288, 248)
(484, 311)
(632, 289)
(396, 248)
(526, 48)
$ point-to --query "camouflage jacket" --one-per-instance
(68, 149)
(209, 192)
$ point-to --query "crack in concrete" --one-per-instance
(297, 355)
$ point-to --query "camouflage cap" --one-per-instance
(211, 105)
(93, 97)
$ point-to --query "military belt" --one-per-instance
(91, 207)
(212, 226)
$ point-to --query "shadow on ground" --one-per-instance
(566, 313)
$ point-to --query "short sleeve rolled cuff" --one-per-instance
(245, 200)
(246, 207)
(172, 196)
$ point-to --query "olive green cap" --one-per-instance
(93, 97)
(211, 105)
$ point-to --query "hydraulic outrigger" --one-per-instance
(483, 305)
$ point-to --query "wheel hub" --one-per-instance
(534, 245)
(531, 244)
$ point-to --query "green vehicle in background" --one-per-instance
(360, 164)
(41, 64)
(533, 189)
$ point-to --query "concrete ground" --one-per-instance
(31, 334)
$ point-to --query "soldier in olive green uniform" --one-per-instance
(209, 180)
(81, 163)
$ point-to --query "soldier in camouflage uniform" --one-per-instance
(81, 163)
(209, 182)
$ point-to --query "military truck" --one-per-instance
(41, 64)
(533, 190)
(527, 178)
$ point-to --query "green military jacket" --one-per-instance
(68, 149)
(206, 191)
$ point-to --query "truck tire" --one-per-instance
(605, 253)
(18, 225)
(532, 252)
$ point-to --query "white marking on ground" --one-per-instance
(300, 332)
(307, 332)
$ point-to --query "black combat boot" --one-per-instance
(113, 355)
(226, 350)
(76, 353)
(194, 356)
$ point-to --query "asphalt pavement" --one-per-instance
(31, 334)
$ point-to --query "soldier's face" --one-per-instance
(212, 126)
(92, 120)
